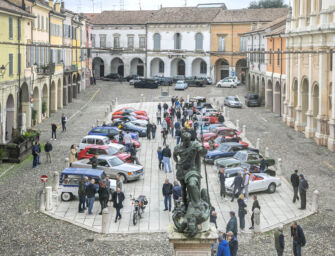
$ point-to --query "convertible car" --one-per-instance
(130, 110)
(228, 133)
(141, 117)
(93, 150)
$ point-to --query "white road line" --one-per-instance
(264, 119)
(2, 174)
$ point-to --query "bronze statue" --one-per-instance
(195, 207)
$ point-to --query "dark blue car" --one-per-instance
(110, 131)
(227, 149)
(130, 127)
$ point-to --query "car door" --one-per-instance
(103, 164)
(256, 183)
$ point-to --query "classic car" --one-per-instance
(140, 117)
(131, 119)
(226, 83)
(253, 100)
(233, 171)
(181, 85)
(93, 150)
(98, 140)
(130, 110)
(110, 131)
(219, 140)
(111, 77)
(232, 101)
(146, 83)
(228, 133)
(129, 127)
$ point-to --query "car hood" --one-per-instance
(122, 155)
(128, 167)
(214, 153)
(227, 162)
(229, 182)
(119, 147)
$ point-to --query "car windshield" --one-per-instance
(115, 161)
(180, 82)
(112, 151)
(223, 148)
(236, 99)
(240, 156)
(253, 96)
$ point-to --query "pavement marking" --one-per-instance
(329, 165)
(264, 119)
(2, 174)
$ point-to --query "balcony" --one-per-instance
(46, 70)
(71, 68)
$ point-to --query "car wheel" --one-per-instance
(272, 188)
(66, 196)
(135, 218)
(123, 178)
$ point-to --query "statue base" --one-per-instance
(200, 245)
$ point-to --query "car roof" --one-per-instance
(106, 127)
(83, 172)
(105, 157)
(97, 146)
(95, 137)
(232, 144)
(248, 151)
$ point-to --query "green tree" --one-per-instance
(267, 4)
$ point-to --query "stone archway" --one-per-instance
(137, 67)
(10, 113)
(53, 97)
(315, 105)
(241, 68)
(98, 68)
(36, 112)
(59, 94)
(199, 67)
(304, 101)
(45, 101)
(295, 98)
(269, 96)
(277, 101)
(117, 66)
(178, 67)
(25, 111)
(157, 67)
(221, 69)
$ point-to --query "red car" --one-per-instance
(229, 133)
(130, 110)
(117, 116)
(135, 142)
(93, 150)
(212, 117)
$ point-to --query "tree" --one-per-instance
(267, 4)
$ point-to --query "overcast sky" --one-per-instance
(87, 5)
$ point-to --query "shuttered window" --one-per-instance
(10, 64)
(10, 23)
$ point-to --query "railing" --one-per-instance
(46, 70)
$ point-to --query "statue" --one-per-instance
(195, 207)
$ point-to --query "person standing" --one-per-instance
(246, 178)
(159, 116)
(73, 154)
(233, 243)
(53, 131)
(39, 151)
(121, 137)
(133, 152)
(178, 135)
(222, 183)
(279, 241)
(48, 149)
(153, 130)
(63, 121)
(241, 211)
(164, 124)
(159, 107)
(81, 195)
(262, 166)
(168, 123)
(178, 115)
(167, 191)
(91, 189)
(35, 154)
(166, 153)
(117, 199)
(298, 237)
(127, 141)
(221, 118)
(303, 187)
(119, 184)
(223, 247)
(164, 136)
(176, 192)
(149, 127)
(255, 205)
(165, 107)
(295, 185)
(237, 184)
(103, 195)
(160, 158)
(172, 128)
(232, 224)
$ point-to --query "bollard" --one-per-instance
(106, 114)
(244, 130)
(315, 204)
(224, 111)
(279, 167)
(237, 124)
(258, 142)
(104, 222)
(266, 154)
(257, 220)
(42, 201)
(67, 162)
(116, 103)
(221, 107)
(48, 198)
(55, 181)
(111, 107)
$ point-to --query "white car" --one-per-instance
(181, 85)
(258, 182)
(99, 140)
(232, 101)
(227, 83)
(235, 79)
(135, 80)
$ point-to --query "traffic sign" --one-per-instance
(233, 73)
(44, 178)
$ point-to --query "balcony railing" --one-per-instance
(46, 70)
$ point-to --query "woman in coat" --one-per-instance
(241, 211)
(73, 154)
(103, 195)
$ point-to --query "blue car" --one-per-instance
(228, 149)
(130, 127)
(110, 131)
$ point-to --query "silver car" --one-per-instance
(232, 101)
(181, 85)
(112, 166)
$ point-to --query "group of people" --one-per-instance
(170, 191)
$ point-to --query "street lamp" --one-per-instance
(2, 70)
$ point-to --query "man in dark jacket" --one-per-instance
(117, 198)
(149, 129)
(232, 224)
(221, 118)
(165, 106)
(303, 187)
(166, 158)
(262, 166)
(295, 185)
(133, 152)
(48, 149)
(233, 243)
(279, 240)
(82, 195)
(237, 184)
(53, 131)
(178, 115)
(91, 190)
(63, 120)
(222, 183)
(153, 130)
(298, 238)
(176, 191)
(255, 205)
(167, 191)
(35, 153)
(178, 135)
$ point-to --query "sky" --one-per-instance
(86, 6)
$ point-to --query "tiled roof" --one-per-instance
(250, 15)
(184, 15)
(271, 26)
(277, 31)
(90, 16)
(6, 6)
(122, 17)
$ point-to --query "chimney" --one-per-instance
(57, 7)
(51, 3)
(62, 4)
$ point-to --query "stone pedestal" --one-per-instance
(309, 130)
(331, 138)
(290, 116)
(200, 245)
(321, 137)
(298, 126)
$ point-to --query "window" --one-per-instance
(10, 24)
(198, 41)
(161, 67)
(102, 41)
(130, 42)
(203, 67)
(177, 41)
(38, 22)
(142, 42)
(42, 25)
(222, 44)
(47, 24)
(18, 29)
(116, 42)
(278, 57)
(10, 64)
(93, 40)
(270, 59)
(157, 41)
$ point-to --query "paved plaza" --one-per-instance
(276, 208)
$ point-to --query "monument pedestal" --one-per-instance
(200, 245)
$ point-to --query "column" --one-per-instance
(313, 17)
(309, 129)
(26, 108)
(290, 116)
(321, 136)
(298, 109)
(302, 18)
(331, 138)
(287, 90)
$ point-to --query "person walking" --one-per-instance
(159, 116)
(165, 107)
(246, 179)
(153, 130)
(172, 128)
(303, 187)
(73, 154)
(262, 165)
(91, 190)
(168, 123)
(35, 153)
(53, 131)
(164, 136)
(167, 191)
(48, 149)
(164, 124)
(160, 158)
(221, 118)
(241, 211)
(223, 247)
(149, 127)
(233, 243)
(295, 185)
(176, 192)
(81, 195)
(222, 184)
(159, 107)
(237, 184)
(38, 147)
(178, 136)
(127, 141)
(255, 205)
(103, 195)
(178, 115)
(298, 237)
(63, 121)
(232, 224)
(119, 183)
(133, 152)
(121, 138)
(166, 153)
(117, 199)
(279, 241)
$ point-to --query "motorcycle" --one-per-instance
(139, 205)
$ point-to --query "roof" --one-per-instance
(90, 16)
(122, 17)
(250, 15)
(9, 7)
(184, 15)
(271, 26)
(83, 172)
